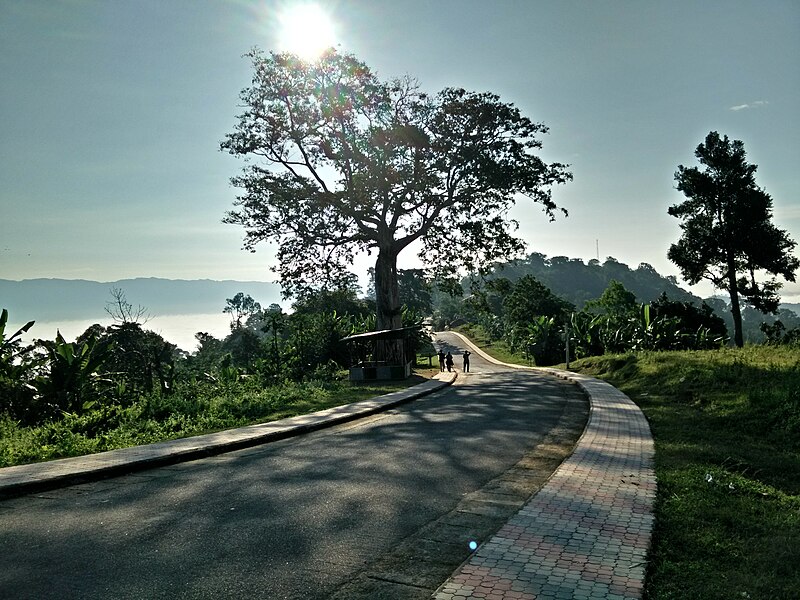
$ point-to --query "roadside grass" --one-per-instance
(195, 408)
(726, 425)
(498, 349)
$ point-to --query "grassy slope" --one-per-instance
(726, 426)
(727, 431)
(496, 348)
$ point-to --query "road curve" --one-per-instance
(299, 518)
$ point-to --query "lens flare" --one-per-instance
(306, 30)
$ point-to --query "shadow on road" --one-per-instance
(382, 505)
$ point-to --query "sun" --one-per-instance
(306, 30)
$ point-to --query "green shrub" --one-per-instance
(194, 407)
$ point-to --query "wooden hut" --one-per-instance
(364, 350)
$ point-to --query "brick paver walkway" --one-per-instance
(586, 533)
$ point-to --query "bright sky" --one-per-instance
(112, 114)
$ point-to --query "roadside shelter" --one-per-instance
(364, 350)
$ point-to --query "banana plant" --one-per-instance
(17, 366)
(9, 344)
(640, 330)
(705, 340)
(72, 382)
(14, 359)
(494, 326)
(584, 332)
(544, 339)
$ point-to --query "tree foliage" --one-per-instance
(342, 301)
(691, 317)
(578, 282)
(530, 297)
(727, 235)
(531, 320)
(139, 359)
(122, 311)
(346, 163)
(615, 301)
(240, 307)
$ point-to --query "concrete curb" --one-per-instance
(36, 477)
(587, 531)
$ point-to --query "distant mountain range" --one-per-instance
(62, 299)
(55, 299)
(795, 308)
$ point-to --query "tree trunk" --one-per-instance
(387, 304)
(736, 311)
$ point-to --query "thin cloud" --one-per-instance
(787, 212)
(756, 104)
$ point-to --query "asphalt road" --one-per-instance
(292, 519)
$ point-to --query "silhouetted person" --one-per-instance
(466, 354)
(448, 360)
(441, 360)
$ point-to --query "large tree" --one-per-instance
(345, 163)
(728, 236)
(241, 307)
(530, 298)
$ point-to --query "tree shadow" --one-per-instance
(291, 519)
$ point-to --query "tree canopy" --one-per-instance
(529, 297)
(345, 163)
(615, 300)
(728, 236)
(240, 307)
(578, 283)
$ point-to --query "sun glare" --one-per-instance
(306, 30)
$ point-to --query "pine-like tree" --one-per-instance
(728, 235)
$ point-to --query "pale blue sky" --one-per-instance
(112, 113)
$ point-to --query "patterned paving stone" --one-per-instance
(586, 533)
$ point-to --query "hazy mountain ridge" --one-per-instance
(60, 299)
(794, 307)
(54, 299)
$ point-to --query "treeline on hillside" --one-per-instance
(532, 321)
(110, 368)
(578, 283)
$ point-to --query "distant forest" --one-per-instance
(579, 282)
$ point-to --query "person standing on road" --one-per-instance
(441, 360)
(466, 354)
(448, 360)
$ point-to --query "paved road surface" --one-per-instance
(291, 519)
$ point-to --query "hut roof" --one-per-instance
(383, 334)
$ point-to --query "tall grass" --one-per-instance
(194, 408)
